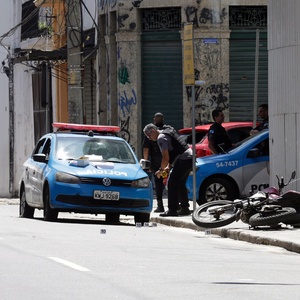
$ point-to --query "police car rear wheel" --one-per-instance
(217, 189)
(25, 211)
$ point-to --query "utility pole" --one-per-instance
(74, 53)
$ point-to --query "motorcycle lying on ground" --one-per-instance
(268, 207)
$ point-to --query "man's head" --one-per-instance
(151, 132)
(158, 119)
(218, 115)
(263, 111)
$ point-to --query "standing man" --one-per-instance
(176, 155)
(151, 151)
(263, 113)
(218, 139)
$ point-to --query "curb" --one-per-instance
(235, 234)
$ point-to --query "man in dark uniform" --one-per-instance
(151, 151)
(264, 115)
(218, 139)
(176, 155)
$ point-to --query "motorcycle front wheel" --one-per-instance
(283, 215)
(215, 214)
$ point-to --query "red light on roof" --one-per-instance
(85, 127)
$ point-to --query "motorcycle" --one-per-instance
(268, 207)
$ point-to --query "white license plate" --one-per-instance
(106, 195)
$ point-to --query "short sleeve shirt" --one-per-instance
(219, 137)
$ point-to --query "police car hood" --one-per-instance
(114, 170)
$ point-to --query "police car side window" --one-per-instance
(261, 149)
(39, 147)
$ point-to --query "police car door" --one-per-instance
(38, 175)
(256, 170)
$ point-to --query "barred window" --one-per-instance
(248, 17)
(161, 19)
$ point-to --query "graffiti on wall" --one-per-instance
(124, 132)
(137, 3)
(204, 16)
(209, 57)
(126, 101)
(207, 98)
(121, 19)
(123, 75)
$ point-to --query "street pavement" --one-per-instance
(286, 237)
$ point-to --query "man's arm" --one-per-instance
(165, 159)
(146, 153)
(211, 147)
(164, 165)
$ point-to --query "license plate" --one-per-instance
(106, 195)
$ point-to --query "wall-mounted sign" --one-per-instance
(210, 41)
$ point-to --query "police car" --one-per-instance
(85, 169)
(234, 174)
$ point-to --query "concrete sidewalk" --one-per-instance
(285, 237)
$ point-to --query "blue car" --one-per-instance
(243, 169)
(85, 169)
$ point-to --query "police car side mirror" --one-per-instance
(42, 158)
(145, 164)
(254, 152)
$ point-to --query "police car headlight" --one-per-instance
(141, 183)
(66, 178)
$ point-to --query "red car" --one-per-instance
(237, 131)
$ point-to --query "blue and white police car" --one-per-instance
(85, 169)
(234, 174)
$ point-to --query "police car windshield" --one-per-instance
(95, 149)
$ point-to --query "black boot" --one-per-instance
(160, 206)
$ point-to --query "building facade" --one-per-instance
(131, 67)
(141, 61)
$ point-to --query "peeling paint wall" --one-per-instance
(5, 23)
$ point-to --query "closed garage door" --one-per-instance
(162, 77)
(242, 73)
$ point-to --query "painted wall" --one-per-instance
(5, 25)
(284, 88)
(24, 128)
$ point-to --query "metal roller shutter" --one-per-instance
(242, 73)
(162, 77)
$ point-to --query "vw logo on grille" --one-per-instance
(106, 181)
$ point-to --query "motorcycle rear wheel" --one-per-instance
(205, 219)
(284, 215)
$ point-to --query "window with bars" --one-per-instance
(161, 19)
(250, 17)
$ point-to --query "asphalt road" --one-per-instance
(82, 257)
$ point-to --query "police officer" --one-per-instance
(176, 155)
(218, 139)
(151, 151)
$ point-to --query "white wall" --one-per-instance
(5, 25)
(284, 88)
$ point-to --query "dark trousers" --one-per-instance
(159, 188)
(177, 192)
